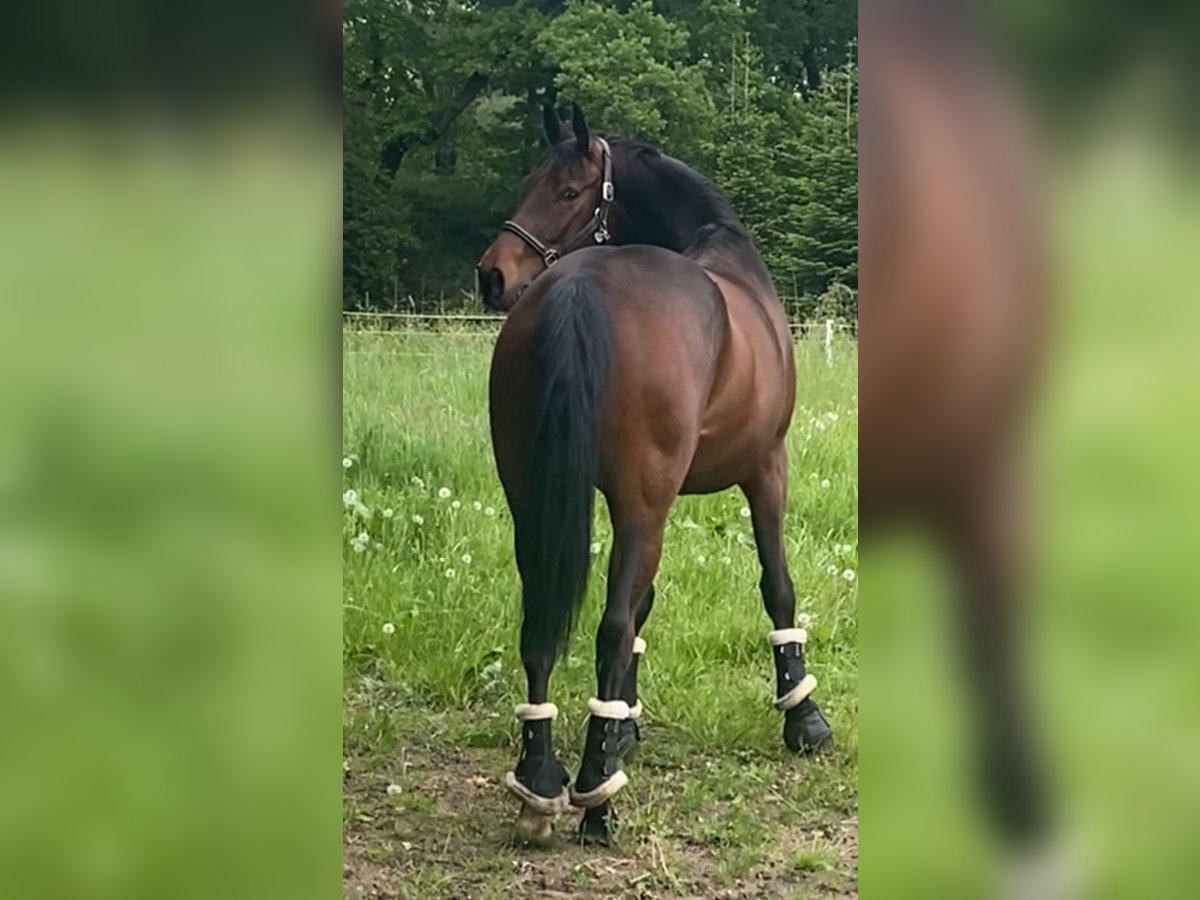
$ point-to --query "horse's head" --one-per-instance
(564, 206)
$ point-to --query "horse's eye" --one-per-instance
(570, 194)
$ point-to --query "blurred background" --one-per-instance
(169, 653)
(1112, 627)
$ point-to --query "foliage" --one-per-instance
(442, 111)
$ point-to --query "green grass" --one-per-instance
(431, 620)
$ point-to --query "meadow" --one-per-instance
(716, 806)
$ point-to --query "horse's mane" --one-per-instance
(703, 226)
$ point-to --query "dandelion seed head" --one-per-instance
(825, 484)
(466, 558)
(849, 575)
(595, 548)
(388, 513)
(418, 519)
(394, 790)
(745, 513)
(450, 573)
(478, 506)
(490, 511)
(455, 505)
(347, 462)
(444, 493)
(389, 628)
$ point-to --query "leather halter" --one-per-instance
(597, 226)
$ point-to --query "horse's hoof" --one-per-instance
(594, 826)
(806, 730)
(534, 827)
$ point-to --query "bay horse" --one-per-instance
(645, 354)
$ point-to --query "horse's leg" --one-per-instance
(982, 528)
(540, 778)
(805, 728)
(637, 548)
(631, 734)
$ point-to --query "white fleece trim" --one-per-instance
(546, 806)
(635, 711)
(608, 709)
(796, 695)
(601, 793)
(787, 636)
(639, 645)
(533, 712)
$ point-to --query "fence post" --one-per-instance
(829, 342)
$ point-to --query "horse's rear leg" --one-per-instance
(612, 727)
(805, 728)
(540, 778)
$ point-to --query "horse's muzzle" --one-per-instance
(491, 287)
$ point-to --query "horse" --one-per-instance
(645, 354)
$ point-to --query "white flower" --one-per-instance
(347, 462)
(388, 513)
(745, 512)
(478, 506)
(455, 505)
(490, 511)
(466, 558)
(444, 493)
(595, 548)
(849, 575)
(832, 569)
(419, 520)
(389, 628)
(825, 484)
(350, 497)
(416, 479)
(450, 573)
(394, 790)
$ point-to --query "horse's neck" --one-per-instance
(675, 210)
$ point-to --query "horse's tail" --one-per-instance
(572, 350)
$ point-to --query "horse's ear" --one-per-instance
(583, 139)
(553, 124)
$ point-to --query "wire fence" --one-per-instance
(486, 326)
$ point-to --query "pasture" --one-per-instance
(716, 806)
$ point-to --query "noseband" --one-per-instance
(597, 226)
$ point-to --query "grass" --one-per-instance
(431, 669)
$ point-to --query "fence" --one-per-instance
(487, 325)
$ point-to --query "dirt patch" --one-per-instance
(444, 830)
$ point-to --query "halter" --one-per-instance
(597, 226)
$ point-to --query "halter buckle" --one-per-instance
(550, 257)
(607, 192)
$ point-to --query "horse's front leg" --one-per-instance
(612, 726)
(805, 728)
